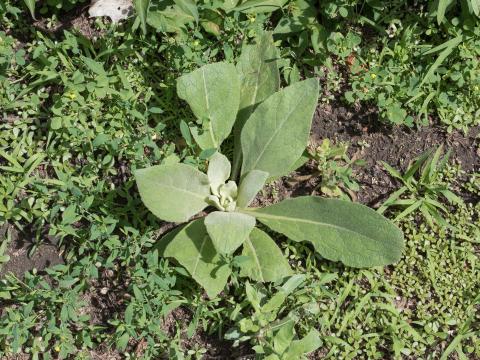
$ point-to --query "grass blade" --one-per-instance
(442, 7)
(441, 58)
(409, 210)
(416, 165)
(393, 172)
(141, 6)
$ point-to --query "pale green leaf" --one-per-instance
(228, 191)
(475, 6)
(339, 230)
(202, 138)
(266, 261)
(193, 249)
(441, 9)
(229, 4)
(31, 7)
(218, 171)
(259, 78)
(213, 93)
(170, 20)
(308, 344)
(260, 6)
(141, 7)
(276, 134)
(251, 184)
(189, 7)
(284, 337)
(173, 192)
(228, 230)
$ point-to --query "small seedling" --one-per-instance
(422, 187)
(335, 169)
(273, 338)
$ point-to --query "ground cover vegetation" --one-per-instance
(100, 121)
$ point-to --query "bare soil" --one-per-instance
(45, 256)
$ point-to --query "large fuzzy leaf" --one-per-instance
(213, 93)
(173, 192)
(339, 230)
(170, 20)
(259, 78)
(276, 134)
(266, 261)
(228, 230)
(260, 6)
(193, 249)
(189, 7)
(251, 184)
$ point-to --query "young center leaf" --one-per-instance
(276, 134)
(218, 171)
(266, 261)
(228, 230)
(251, 184)
(173, 192)
(213, 93)
(339, 230)
(259, 78)
(193, 249)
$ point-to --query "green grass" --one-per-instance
(78, 115)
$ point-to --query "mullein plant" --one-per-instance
(271, 127)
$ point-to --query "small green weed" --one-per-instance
(335, 169)
(273, 338)
(422, 187)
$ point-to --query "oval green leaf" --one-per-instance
(213, 93)
(259, 78)
(193, 249)
(218, 171)
(266, 261)
(339, 230)
(228, 230)
(173, 192)
(276, 134)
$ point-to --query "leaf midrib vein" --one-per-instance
(197, 260)
(273, 136)
(254, 252)
(185, 191)
(306, 221)
(207, 105)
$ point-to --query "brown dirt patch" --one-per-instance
(46, 255)
(397, 146)
(76, 18)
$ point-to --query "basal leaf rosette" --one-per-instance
(271, 131)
